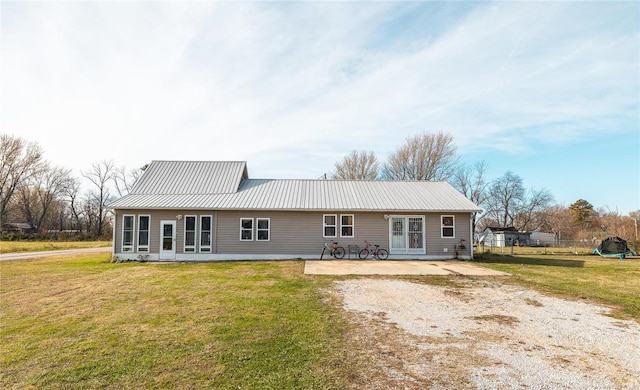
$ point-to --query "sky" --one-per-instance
(547, 90)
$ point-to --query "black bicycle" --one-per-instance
(334, 250)
(376, 252)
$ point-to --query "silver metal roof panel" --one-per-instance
(296, 195)
(191, 177)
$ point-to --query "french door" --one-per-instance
(167, 240)
(406, 235)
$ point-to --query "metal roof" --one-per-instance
(225, 186)
(191, 177)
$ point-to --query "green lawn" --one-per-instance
(83, 322)
(39, 246)
(607, 281)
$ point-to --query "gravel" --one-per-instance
(486, 335)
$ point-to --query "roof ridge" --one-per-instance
(203, 161)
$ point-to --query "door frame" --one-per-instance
(407, 250)
(170, 254)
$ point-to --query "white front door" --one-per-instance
(406, 235)
(167, 240)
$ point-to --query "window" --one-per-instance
(143, 233)
(128, 228)
(329, 225)
(346, 225)
(448, 226)
(246, 229)
(190, 233)
(205, 233)
(415, 233)
(263, 229)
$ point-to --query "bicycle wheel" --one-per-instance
(382, 254)
(363, 253)
(338, 253)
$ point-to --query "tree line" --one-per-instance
(50, 198)
(505, 200)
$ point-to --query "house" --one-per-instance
(504, 237)
(543, 239)
(18, 227)
(212, 210)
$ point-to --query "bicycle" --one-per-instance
(376, 252)
(334, 250)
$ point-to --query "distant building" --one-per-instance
(504, 237)
(18, 227)
(543, 239)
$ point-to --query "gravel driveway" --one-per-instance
(486, 335)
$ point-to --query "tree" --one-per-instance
(357, 166)
(99, 175)
(423, 157)
(124, 180)
(72, 193)
(510, 204)
(557, 219)
(19, 161)
(505, 195)
(530, 214)
(38, 198)
(581, 212)
(470, 181)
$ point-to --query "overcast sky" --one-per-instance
(548, 90)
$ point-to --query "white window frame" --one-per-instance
(258, 229)
(452, 226)
(411, 241)
(325, 225)
(129, 247)
(243, 229)
(352, 226)
(141, 247)
(190, 248)
(206, 246)
(405, 247)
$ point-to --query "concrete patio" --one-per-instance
(401, 267)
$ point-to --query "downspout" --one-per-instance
(214, 226)
(113, 234)
(471, 243)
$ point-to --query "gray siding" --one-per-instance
(294, 232)
(436, 243)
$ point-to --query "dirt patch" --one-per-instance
(485, 335)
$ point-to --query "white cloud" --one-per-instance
(239, 80)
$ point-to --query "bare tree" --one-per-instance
(99, 175)
(470, 181)
(424, 156)
(19, 160)
(124, 180)
(505, 195)
(357, 166)
(510, 204)
(530, 214)
(72, 193)
(557, 219)
(43, 191)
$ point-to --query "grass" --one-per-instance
(611, 282)
(83, 322)
(39, 246)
